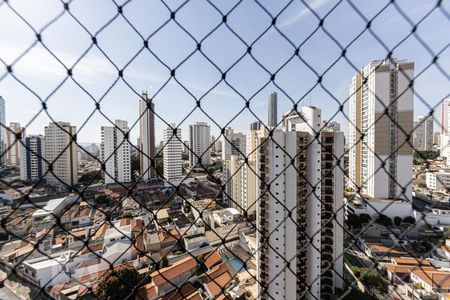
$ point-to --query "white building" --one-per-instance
(61, 153)
(423, 133)
(32, 153)
(147, 136)
(115, 152)
(226, 216)
(172, 152)
(303, 225)
(438, 181)
(233, 143)
(50, 270)
(199, 144)
(2, 132)
(13, 136)
(381, 160)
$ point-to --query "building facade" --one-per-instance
(381, 115)
(115, 152)
(32, 154)
(2, 133)
(172, 152)
(296, 214)
(199, 144)
(272, 118)
(13, 136)
(423, 133)
(147, 137)
(61, 155)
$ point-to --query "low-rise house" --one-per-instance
(195, 242)
(226, 216)
(432, 281)
(47, 271)
(170, 278)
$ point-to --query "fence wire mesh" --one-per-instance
(291, 209)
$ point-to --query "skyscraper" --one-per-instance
(298, 215)
(61, 152)
(199, 144)
(445, 115)
(233, 143)
(272, 120)
(115, 152)
(2, 133)
(13, 136)
(173, 164)
(423, 133)
(32, 163)
(381, 115)
(147, 136)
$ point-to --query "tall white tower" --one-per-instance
(296, 209)
(381, 115)
(199, 144)
(61, 154)
(115, 152)
(172, 152)
(147, 136)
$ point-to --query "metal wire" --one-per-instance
(324, 23)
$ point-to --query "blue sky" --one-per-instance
(41, 72)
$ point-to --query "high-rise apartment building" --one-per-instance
(233, 143)
(61, 152)
(13, 136)
(115, 152)
(272, 119)
(147, 137)
(32, 158)
(381, 115)
(300, 213)
(199, 144)
(2, 133)
(445, 111)
(423, 133)
(172, 153)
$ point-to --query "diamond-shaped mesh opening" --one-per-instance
(224, 149)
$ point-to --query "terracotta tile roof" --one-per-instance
(187, 264)
(214, 273)
(410, 261)
(91, 248)
(436, 279)
(403, 269)
(219, 283)
(147, 292)
(224, 297)
(385, 249)
(180, 294)
(102, 230)
(194, 296)
(125, 222)
(169, 237)
(212, 259)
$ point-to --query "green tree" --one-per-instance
(397, 221)
(159, 164)
(89, 178)
(127, 214)
(164, 262)
(135, 162)
(118, 283)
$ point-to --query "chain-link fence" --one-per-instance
(273, 155)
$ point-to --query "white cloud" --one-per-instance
(314, 5)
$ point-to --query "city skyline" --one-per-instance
(41, 72)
